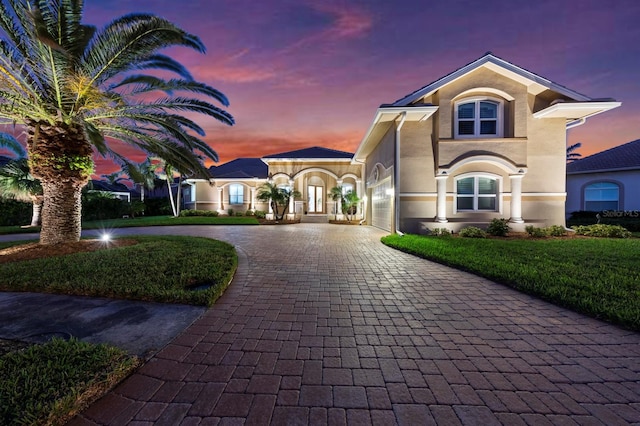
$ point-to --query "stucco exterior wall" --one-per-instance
(628, 181)
(417, 157)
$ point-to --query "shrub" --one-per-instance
(249, 213)
(498, 227)
(14, 212)
(238, 214)
(440, 232)
(230, 212)
(556, 231)
(208, 213)
(536, 232)
(600, 230)
(472, 232)
(260, 214)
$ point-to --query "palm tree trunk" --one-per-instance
(61, 212)
(37, 208)
(173, 205)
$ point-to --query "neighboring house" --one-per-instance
(117, 190)
(311, 171)
(608, 180)
(486, 141)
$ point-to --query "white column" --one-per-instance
(220, 199)
(339, 203)
(291, 199)
(442, 199)
(253, 198)
(516, 198)
(359, 194)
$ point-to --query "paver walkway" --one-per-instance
(325, 325)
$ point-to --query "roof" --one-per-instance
(101, 185)
(315, 152)
(4, 160)
(240, 168)
(489, 59)
(623, 157)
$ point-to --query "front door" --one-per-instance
(315, 199)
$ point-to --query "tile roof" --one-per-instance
(312, 153)
(625, 156)
(240, 168)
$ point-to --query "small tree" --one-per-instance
(336, 195)
(278, 197)
(350, 202)
(16, 180)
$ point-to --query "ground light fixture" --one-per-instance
(105, 238)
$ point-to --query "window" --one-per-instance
(236, 194)
(601, 196)
(476, 193)
(478, 118)
(346, 188)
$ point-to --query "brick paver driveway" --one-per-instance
(325, 325)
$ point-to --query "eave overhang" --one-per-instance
(576, 111)
(385, 115)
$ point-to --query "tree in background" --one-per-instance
(572, 155)
(16, 180)
(142, 174)
(74, 87)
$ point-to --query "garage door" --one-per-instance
(381, 202)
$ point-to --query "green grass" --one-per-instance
(147, 221)
(49, 383)
(160, 269)
(596, 276)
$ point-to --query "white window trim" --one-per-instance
(229, 199)
(499, 194)
(477, 100)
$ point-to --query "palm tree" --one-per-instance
(278, 197)
(167, 174)
(74, 87)
(142, 174)
(115, 177)
(572, 155)
(336, 195)
(16, 180)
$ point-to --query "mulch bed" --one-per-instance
(37, 251)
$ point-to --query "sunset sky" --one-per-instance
(300, 73)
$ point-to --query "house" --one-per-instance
(310, 171)
(486, 141)
(608, 180)
(116, 190)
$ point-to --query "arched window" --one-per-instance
(601, 196)
(236, 193)
(346, 188)
(478, 117)
(477, 193)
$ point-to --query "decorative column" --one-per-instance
(516, 198)
(442, 199)
(253, 199)
(359, 194)
(339, 202)
(220, 199)
(291, 199)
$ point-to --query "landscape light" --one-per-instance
(105, 238)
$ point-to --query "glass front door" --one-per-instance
(315, 199)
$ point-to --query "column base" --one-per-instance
(516, 220)
(442, 220)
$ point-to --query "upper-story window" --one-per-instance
(236, 193)
(478, 117)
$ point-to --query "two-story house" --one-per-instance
(486, 141)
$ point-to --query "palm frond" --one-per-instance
(147, 83)
(7, 141)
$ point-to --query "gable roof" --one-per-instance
(623, 157)
(315, 152)
(101, 185)
(240, 168)
(491, 61)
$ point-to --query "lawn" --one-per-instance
(596, 276)
(50, 383)
(162, 269)
(147, 221)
